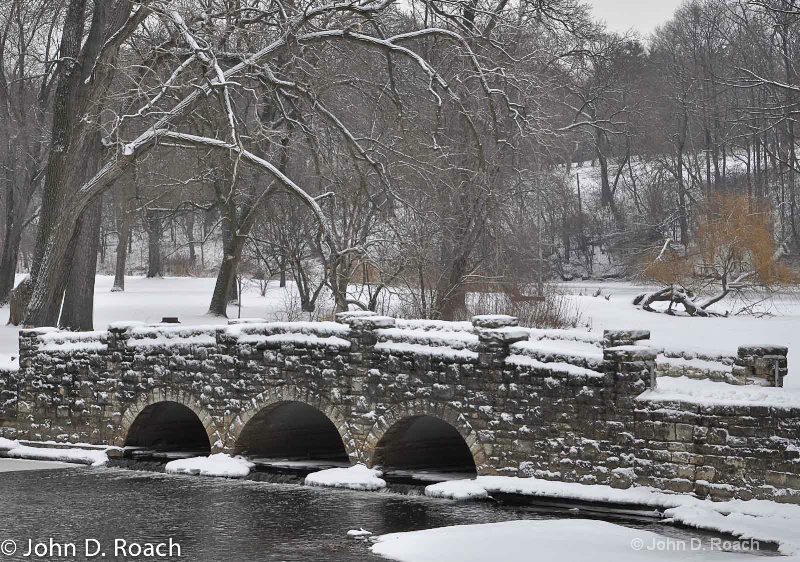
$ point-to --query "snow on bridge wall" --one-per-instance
(8, 401)
(523, 406)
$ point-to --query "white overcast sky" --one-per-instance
(641, 15)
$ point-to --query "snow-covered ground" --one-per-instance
(150, 300)
(565, 540)
(761, 520)
(705, 392)
(723, 335)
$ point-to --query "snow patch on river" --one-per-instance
(357, 477)
(15, 450)
(221, 465)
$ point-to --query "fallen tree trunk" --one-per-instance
(674, 294)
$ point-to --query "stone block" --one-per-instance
(492, 321)
(613, 338)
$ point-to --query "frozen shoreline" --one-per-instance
(564, 540)
(67, 453)
(24, 465)
(762, 520)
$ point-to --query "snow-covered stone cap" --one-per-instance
(122, 325)
(504, 335)
(368, 322)
(630, 352)
(348, 314)
(494, 321)
(762, 349)
(626, 335)
(310, 328)
(235, 321)
(36, 331)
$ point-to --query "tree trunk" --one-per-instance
(123, 240)
(684, 219)
(77, 310)
(226, 277)
(18, 301)
(606, 195)
(80, 86)
(46, 297)
(189, 222)
(61, 166)
(13, 234)
(155, 267)
(451, 293)
(8, 261)
(674, 294)
(339, 279)
(233, 254)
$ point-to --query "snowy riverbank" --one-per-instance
(66, 453)
(766, 521)
(565, 540)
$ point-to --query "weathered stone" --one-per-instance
(613, 338)
(495, 321)
(502, 336)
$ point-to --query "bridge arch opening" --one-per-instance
(424, 443)
(291, 430)
(168, 427)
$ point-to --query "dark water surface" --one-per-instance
(217, 520)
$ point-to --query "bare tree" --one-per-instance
(292, 33)
(28, 42)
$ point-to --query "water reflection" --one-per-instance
(219, 520)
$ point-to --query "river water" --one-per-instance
(215, 520)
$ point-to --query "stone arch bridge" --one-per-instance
(477, 395)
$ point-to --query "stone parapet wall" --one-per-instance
(8, 402)
(719, 451)
(766, 365)
(716, 372)
(761, 365)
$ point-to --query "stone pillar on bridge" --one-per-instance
(363, 336)
(630, 371)
(632, 364)
(496, 334)
(362, 379)
(118, 335)
(761, 364)
(614, 338)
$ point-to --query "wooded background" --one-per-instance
(435, 148)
